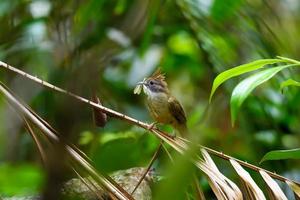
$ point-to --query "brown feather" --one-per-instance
(178, 113)
(159, 76)
(176, 110)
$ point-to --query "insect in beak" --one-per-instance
(141, 83)
(139, 87)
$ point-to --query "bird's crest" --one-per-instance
(158, 75)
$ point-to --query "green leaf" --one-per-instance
(282, 154)
(288, 60)
(289, 82)
(244, 88)
(236, 71)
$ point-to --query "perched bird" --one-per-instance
(163, 107)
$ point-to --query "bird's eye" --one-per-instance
(151, 82)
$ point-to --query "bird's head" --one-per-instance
(155, 84)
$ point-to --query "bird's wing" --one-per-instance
(176, 110)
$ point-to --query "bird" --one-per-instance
(162, 105)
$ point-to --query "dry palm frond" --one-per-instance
(252, 191)
(275, 193)
(295, 187)
(220, 184)
(75, 157)
(223, 188)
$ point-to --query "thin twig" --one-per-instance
(89, 185)
(168, 153)
(35, 139)
(174, 142)
(84, 100)
(148, 168)
(198, 190)
(31, 132)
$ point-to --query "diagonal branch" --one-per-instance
(179, 144)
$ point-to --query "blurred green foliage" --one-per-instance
(21, 179)
(107, 46)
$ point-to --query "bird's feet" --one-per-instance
(172, 134)
(152, 125)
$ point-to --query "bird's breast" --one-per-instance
(159, 108)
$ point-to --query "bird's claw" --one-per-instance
(172, 136)
(152, 125)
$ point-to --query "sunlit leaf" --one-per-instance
(184, 44)
(120, 7)
(244, 88)
(236, 71)
(289, 82)
(282, 154)
(86, 137)
(288, 60)
(111, 136)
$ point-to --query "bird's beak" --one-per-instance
(141, 83)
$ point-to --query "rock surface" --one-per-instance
(127, 179)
